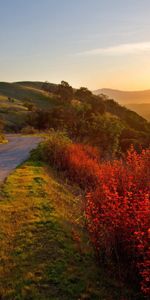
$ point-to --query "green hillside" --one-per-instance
(26, 93)
(38, 85)
(88, 118)
(15, 99)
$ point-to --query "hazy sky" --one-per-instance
(93, 43)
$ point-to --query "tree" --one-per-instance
(96, 103)
(104, 132)
(83, 94)
(65, 91)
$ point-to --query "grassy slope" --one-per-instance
(16, 113)
(25, 93)
(41, 256)
(35, 84)
(12, 113)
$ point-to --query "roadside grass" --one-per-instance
(45, 253)
(3, 140)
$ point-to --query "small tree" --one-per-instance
(65, 91)
(83, 94)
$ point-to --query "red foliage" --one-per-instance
(81, 164)
(117, 206)
(118, 212)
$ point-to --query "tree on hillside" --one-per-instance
(65, 91)
(83, 94)
(102, 131)
(39, 119)
(96, 103)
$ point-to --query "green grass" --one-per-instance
(26, 93)
(14, 114)
(45, 253)
(16, 105)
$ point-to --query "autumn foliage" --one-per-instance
(79, 162)
(117, 203)
(118, 213)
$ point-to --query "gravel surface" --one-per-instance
(15, 152)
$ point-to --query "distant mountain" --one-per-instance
(139, 101)
(126, 97)
(142, 109)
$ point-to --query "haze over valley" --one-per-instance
(139, 101)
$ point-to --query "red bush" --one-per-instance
(117, 204)
(80, 162)
(82, 165)
(118, 212)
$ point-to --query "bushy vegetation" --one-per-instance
(118, 217)
(96, 120)
(2, 138)
(116, 202)
(29, 130)
(89, 141)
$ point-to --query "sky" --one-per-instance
(92, 43)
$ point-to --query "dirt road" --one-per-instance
(15, 152)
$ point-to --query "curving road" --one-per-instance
(15, 152)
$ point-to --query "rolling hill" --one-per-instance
(139, 101)
(27, 92)
(142, 109)
(125, 97)
(15, 97)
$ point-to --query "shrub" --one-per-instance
(54, 148)
(79, 161)
(2, 139)
(118, 213)
(117, 202)
(29, 130)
